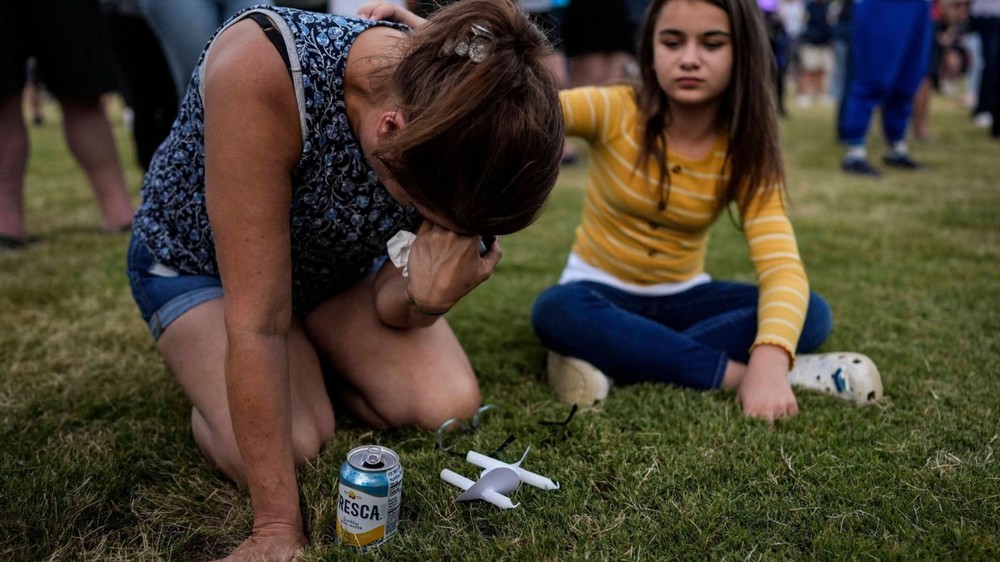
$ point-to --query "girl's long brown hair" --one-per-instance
(747, 111)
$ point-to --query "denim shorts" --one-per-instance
(163, 294)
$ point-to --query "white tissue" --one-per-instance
(398, 248)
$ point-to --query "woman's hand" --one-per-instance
(387, 11)
(445, 266)
(271, 544)
(764, 391)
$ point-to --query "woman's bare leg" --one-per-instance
(393, 377)
(194, 347)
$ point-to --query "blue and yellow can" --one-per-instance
(371, 489)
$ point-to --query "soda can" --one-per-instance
(371, 486)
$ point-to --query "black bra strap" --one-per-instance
(274, 36)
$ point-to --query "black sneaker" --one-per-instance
(859, 166)
(902, 161)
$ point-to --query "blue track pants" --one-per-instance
(890, 50)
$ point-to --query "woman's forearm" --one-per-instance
(258, 389)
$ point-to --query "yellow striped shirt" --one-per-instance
(625, 234)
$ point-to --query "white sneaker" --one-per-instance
(851, 376)
(575, 381)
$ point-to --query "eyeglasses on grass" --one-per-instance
(454, 430)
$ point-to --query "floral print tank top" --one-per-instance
(341, 216)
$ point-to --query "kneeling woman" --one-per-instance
(304, 143)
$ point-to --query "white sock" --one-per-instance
(857, 152)
(899, 147)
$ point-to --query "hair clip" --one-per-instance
(477, 49)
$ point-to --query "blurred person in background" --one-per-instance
(548, 15)
(949, 59)
(984, 19)
(815, 54)
(33, 92)
(147, 85)
(185, 26)
(777, 38)
(841, 75)
(70, 43)
(600, 41)
(888, 63)
(974, 47)
(792, 14)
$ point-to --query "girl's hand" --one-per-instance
(444, 266)
(764, 391)
(386, 11)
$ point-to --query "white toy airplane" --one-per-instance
(497, 481)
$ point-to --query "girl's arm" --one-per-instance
(595, 113)
(443, 267)
(784, 299)
(390, 12)
(252, 143)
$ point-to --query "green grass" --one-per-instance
(97, 460)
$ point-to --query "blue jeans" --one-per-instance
(184, 28)
(163, 299)
(974, 46)
(684, 339)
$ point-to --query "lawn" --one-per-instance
(97, 459)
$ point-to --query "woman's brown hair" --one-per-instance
(483, 140)
(747, 111)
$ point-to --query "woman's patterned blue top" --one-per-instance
(341, 215)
